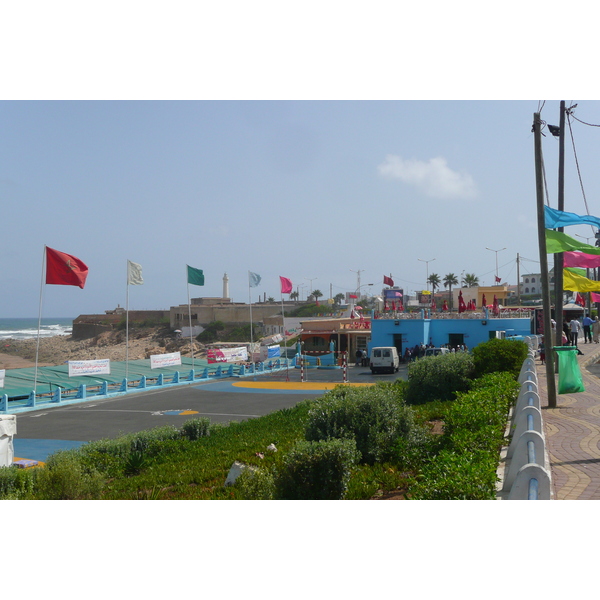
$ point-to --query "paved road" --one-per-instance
(46, 430)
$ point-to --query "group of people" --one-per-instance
(572, 329)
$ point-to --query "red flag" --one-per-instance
(498, 279)
(64, 269)
(388, 281)
(483, 301)
(400, 306)
(461, 303)
(286, 285)
(445, 306)
(579, 300)
(433, 305)
(352, 296)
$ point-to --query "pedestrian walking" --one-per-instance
(575, 327)
(587, 329)
(596, 330)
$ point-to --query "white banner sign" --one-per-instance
(227, 355)
(165, 360)
(2, 375)
(89, 367)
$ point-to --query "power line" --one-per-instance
(568, 113)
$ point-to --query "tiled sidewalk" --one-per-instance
(573, 433)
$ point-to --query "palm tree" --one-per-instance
(471, 280)
(434, 281)
(339, 298)
(317, 294)
(294, 296)
(449, 281)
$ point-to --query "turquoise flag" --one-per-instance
(558, 218)
(195, 276)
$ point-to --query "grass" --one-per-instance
(193, 463)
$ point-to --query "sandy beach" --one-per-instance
(17, 354)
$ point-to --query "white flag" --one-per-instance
(134, 273)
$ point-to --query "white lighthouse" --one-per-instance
(225, 287)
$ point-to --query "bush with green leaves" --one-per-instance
(465, 468)
(15, 483)
(439, 377)
(317, 470)
(194, 429)
(499, 355)
(374, 417)
(256, 484)
(65, 478)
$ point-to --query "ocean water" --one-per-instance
(26, 329)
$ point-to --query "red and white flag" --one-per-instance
(64, 269)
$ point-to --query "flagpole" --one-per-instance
(37, 347)
(250, 302)
(127, 327)
(190, 319)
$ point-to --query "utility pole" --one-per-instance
(539, 188)
(559, 258)
(518, 280)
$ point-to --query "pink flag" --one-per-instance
(286, 285)
(581, 260)
(595, 297)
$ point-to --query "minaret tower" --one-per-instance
(225, 287)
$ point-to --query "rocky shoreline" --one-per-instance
(143, 342)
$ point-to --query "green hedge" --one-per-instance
(499, 355)
(374, 417)
(439, 377)
(465, 468)
(317, 470)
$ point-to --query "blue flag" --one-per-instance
(253, 279)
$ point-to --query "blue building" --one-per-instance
(406, 330)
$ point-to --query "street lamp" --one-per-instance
(311, 280)
(496, 251)
(587, 239)
(427, 269)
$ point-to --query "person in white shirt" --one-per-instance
(575, 328)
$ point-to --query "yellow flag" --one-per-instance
(577, 283)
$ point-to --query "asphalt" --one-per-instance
(572, 431)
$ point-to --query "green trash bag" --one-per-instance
(569, 374)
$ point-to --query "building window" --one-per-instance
(533, 280)
(533, 290)
(527, 280)
(527, 290)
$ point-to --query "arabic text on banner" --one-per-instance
(89, 367)
(165, 360)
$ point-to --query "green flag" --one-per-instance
(195, 276)
(557, 241)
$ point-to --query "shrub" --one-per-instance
(499, 355)
(194, 429)
(439, 377)
(317, 470)
(65, 478)
(374, 417)
(256, 484)
(145, 441)
(15, 483)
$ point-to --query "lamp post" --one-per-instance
(427, 269)
(311, 280)
(496, 251)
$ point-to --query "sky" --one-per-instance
(322, 192)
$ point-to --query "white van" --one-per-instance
(436, 351)
(383, 359)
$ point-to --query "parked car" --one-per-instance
(436, 351)
(384, 358)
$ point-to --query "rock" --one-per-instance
(235, 471)
(271, 448)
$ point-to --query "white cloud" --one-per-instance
(434, 178)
